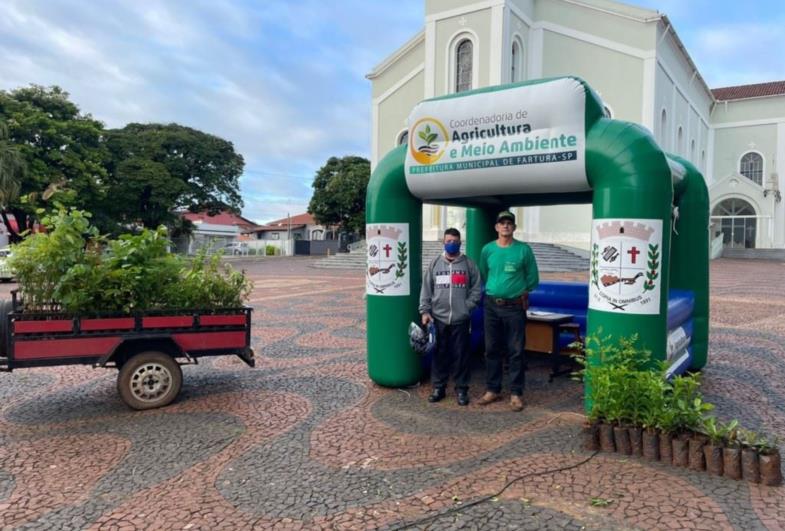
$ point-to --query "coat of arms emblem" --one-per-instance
(387, 269)
(626, 259)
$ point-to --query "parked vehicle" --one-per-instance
(147, 348)
(236, 248)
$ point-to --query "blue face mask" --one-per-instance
(452, 247)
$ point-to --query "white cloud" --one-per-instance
(718, 40)
(283, 81)
(754, 50)
(732, 43)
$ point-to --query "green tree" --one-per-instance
(12, 172)
(62, 149)
(339, 193)
(52, 153)
(156, 169)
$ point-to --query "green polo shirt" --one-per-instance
(508, 272)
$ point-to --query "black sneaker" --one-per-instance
(463, 398)
(436, 395)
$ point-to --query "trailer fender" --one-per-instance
(134, 345)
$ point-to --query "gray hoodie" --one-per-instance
(450, 290)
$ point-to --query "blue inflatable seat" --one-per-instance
(572, 298)
(680, 305)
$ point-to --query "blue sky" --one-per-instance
(283, 79)
(732, 42)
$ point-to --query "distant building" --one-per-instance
(215, 231)
(298, 227)
(640, 67)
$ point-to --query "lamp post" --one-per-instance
(773, 188)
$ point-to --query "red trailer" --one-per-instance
(147, 348)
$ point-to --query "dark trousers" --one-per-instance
(452, 348)
(505, 331)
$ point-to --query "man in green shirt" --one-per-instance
(509, 270)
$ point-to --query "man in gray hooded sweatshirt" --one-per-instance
(450, 291)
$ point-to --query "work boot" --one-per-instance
(436, 395)
(488, 398)
(463, 397)
(516, 403)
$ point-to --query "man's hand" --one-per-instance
(525, 301)
(426, 318)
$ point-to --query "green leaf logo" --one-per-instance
(427, 135)
(430, 138)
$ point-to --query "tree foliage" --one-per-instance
(156, 168)
(50, 152)
(63, 152)
(339, 193)
(12, 169)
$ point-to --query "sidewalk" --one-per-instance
(306, 441)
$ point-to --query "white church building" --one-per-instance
(636, 62)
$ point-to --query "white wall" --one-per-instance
(681, 93)
(627, 54)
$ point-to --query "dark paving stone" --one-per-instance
(7, 484)
(505, 515)
(162, 446)
(23, 383)
(280, 480)
(353, 332)
(278, 477)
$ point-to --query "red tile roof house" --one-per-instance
(758, 90)
(216, 231)
(301, 227)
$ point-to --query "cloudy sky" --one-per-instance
(284, 80)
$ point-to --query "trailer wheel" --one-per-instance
(149, 379)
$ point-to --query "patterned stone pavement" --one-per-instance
(306, 441)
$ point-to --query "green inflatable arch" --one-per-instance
(542, 142)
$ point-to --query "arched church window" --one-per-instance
(738, 223)
(751, 166)
(680, 141)
(733, 207)
(516, 61)
(463, 65)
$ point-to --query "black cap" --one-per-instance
(505, 214)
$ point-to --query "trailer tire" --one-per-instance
(149, 380)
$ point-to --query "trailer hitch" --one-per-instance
(248, 356)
